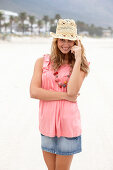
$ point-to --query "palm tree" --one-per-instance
(81, 26)
(1, 18)
(11, 20)
(46, 19)
(16, 19)
(52, 22)
(92, 29)
(57, 17)
(52, 25)
(31, 20)
(40, 24)
(23, 17)
(6, 25)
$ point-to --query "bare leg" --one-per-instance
(63, 162)
(49, 159)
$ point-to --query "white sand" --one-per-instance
(19, 134)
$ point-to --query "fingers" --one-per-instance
(78, 42)
(72, 51)
(73, 48)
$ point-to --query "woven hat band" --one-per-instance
(66, 31)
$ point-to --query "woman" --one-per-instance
(56, 81)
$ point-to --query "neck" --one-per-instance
(65, 61)
(66, 56)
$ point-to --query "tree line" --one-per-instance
(25, 23)
(19, 22)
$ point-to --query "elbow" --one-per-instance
(72, 93)
(34, 92)
(31, 95)
(31, 92)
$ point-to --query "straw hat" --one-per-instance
(66, 29)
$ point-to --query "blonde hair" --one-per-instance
(57, 57)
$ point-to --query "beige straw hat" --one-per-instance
(66, 29)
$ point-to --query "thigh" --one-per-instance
(49, 159)
(63, 162)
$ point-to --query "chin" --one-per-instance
(65, 52)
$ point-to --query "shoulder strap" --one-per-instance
(46, 61)
(89, 63)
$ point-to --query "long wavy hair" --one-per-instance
(57, 57)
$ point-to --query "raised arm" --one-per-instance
(77, 76)
(76, 80)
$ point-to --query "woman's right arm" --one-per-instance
(37, 92)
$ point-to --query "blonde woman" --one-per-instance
(56, 82)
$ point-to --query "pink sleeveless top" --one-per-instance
(58, 117)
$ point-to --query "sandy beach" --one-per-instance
(20, 143)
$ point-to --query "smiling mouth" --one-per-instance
(65, 49)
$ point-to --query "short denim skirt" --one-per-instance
(61, 145)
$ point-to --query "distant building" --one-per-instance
(7, 14)
(107, 33)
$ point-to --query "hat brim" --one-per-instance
(59, 36)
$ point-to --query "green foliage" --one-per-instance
(21, 25)
(91, 29)
(53, 29)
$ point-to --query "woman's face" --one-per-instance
(65, 45)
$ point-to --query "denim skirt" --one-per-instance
(61, 145)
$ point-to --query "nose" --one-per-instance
(66, 43)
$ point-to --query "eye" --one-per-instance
(62, 40)
(69, 41)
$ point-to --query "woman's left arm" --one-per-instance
(76, 79)
(77, 76)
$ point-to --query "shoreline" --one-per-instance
(39, 39)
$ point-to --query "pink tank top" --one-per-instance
(58, 117)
